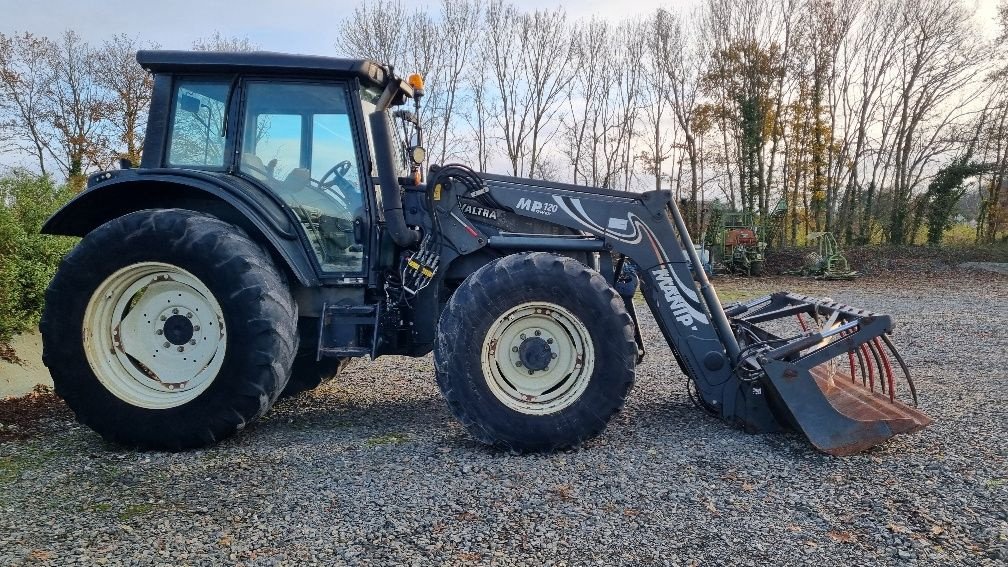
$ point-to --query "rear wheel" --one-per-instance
(168, 329)
(535, 352)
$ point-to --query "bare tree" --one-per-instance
(378, 30)
(221, 42)
(656, 83)
(532, 62)
(23, 82)
(117, 70)
(462, 17)
(76, 107)
(937, 64)
(684, 62)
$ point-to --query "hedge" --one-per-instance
(28, 259)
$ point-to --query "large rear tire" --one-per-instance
(168, 329)
(535, 352)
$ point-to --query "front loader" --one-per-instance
(280, 224)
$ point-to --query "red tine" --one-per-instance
(888, 370)
(871, 368)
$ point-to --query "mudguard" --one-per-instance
(112, 194)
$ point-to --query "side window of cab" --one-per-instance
(196, 138)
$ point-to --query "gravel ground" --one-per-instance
(372, 470)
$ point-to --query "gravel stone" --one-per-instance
(373, 470)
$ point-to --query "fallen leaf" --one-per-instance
(712, 509)
(842, 537)
(40, 555)
(897, 529)
(563, 491)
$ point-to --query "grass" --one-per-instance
(387, 439)
(133, 510)
(13, 466)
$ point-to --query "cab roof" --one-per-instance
(261, 62)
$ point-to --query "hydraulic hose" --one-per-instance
(391, 197)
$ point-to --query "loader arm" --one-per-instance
(738, 371)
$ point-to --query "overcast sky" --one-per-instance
(297, 26)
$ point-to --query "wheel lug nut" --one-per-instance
(174, 311)
(530, 372)
(163, 318)
(159, 332)
(549, 341)
(180, 349)
(192, 342)
(189, 315)
(196, 328)
(514, 349)
(167, 344)
(518, 364)
(553, 355)
(537, 333)
(522, 336)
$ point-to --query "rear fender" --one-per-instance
(235, 201)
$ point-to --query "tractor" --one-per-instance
(736, 243)
(283, 220)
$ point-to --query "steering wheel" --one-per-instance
(338, 184)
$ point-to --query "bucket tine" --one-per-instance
(871, 369)
(888, 370)
(903, 366)
(861, 367)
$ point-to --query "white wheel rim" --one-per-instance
(536, 326)
(154, 335)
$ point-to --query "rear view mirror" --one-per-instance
(189, 103)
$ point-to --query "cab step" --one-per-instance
(348, 331)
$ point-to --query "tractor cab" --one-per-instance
(294, 128)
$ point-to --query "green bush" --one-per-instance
(28, 259)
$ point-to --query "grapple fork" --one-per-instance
(840, 413)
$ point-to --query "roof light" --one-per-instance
(416, 81)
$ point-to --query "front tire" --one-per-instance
(535, 352)
(168, 329)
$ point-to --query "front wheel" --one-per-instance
(168, 329)
(535, 352)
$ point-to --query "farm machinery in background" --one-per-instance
(828, 262)
(735, 243)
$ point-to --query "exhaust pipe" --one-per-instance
(389, 183)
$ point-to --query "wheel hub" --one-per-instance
(537, 358)
(535, 353)
(154, 335)
(178, 330)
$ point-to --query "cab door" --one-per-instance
(298, 139)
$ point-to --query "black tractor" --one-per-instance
(283, 221)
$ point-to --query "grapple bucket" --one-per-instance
(835, 381)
